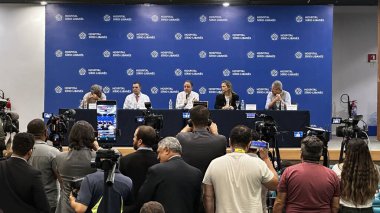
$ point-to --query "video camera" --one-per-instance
(350, 128)
(150, 119)
(58, 126)
(10, 121)
(266, 128)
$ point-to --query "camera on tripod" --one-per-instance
(150, 119)
(350, 128)
(58, 126)
(266, 128)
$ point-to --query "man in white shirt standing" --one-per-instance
(186, 98)
(137, 99)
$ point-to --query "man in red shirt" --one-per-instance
(308, 186)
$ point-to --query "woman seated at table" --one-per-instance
(228, 98)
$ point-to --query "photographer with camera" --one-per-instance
(43, 159)
(91, 196)
(76, 162)
(234, 180)
(200, 140)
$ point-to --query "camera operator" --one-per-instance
(43, 159)
(201, 142)
(91, 192)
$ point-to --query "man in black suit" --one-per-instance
(201, 142)
(135, 165)
(20, 184)
(173, 182)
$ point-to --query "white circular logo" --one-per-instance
(202, 54)
(154, 54)
(226, 36)
(154, 90)
(274, 73)
(202, 90)
(154, 18)
(251, 18)
(82, 35)
(299, 19)
(130, 71)
(130, 36)
(250, 54)
(274, 37)
(58, 53)
(298, 91)
(226, 72)
(178, 72)
(106, 54)
(58, 89)
(82, 71)
(106, 89)
(58, 17)
(107, 17)
(202, 18)
(298, 55)
(178, 36)
(250, 91)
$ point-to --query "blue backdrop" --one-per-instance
(161, 46)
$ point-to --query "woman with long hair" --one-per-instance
(227, 99)
(75, 164)
(359, 178)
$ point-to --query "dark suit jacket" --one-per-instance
(200, 147)
(136, 165)
(21, 187)
(175, 184)
(220, 101)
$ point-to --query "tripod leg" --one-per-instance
(342, 146)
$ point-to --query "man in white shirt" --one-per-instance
(186, 98)
(137, 99)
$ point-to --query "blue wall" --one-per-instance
(161, 46)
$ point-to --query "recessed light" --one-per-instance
(226, 4)
(43, 3)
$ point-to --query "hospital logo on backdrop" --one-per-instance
(250, 91)
(106, 89)
(178, 36)
(251, 18)
(298, 55)
(226, 72)
(154, 54)
(58, 17)
(274, 73)
(178, 72)
(202, 18)
(82, 71)
(130, 36)
(154, 90)
(202, 90)
(107, 18)
(82, 35)
(299, 19)
(58, 53)
(130, 71)
(106, 54)
(58, 89)
(250, 54)
(154, 18)
(202, 54)
(226, 36)
(274, 37)
(298, 91)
